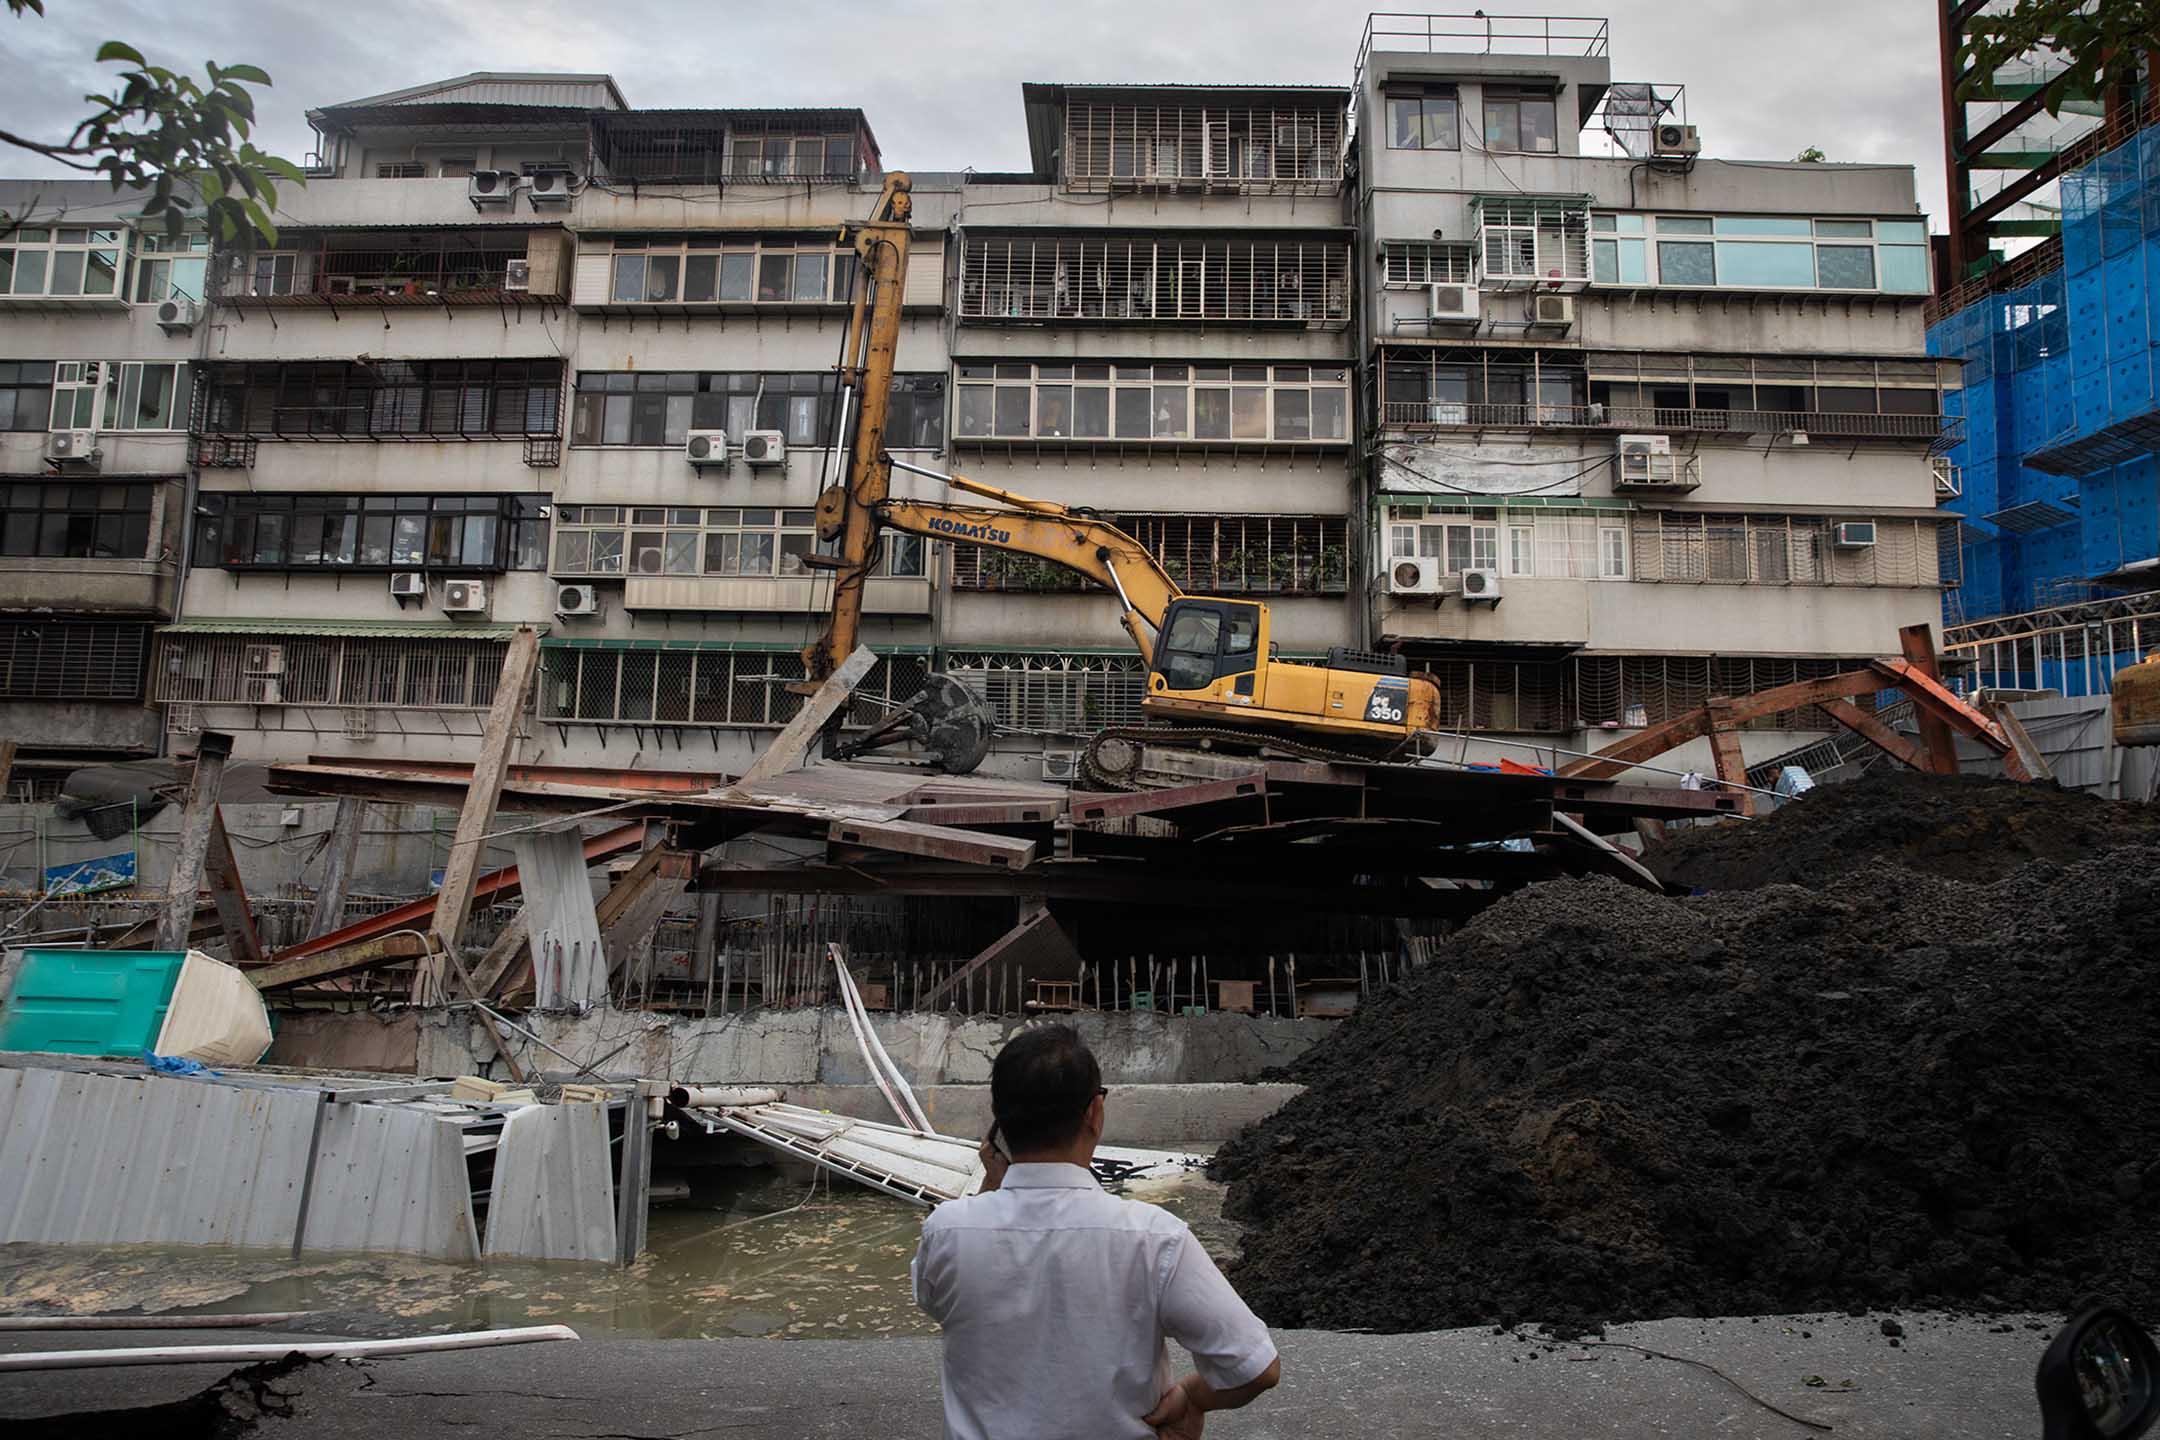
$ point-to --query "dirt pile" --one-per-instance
(1601, 1104)
(1960, 827)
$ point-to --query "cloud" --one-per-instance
(940, 79)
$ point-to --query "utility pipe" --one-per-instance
(256, 1354)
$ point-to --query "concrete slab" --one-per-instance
(1948, 1378)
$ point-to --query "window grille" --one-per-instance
(1203, 147)
(1560, 697)
(1534, 241)
(1781, 550)
(331, 670)
(1053, 694)
(382, 400)
(1422, 262)
(1147, 280)
(1204, 554)
(437, 266)
(71, 660)
(744, 689)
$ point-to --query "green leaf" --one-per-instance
(114, 50)
(285, 170)
(248, 73)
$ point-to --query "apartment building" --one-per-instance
(1588, 435)
(1641, 426)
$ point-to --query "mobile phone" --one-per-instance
(997, 1142)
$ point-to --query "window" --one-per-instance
(661, 408)
(401, 170)
(310, 531)
(798, 157)
(71, 660)
(1686, 262)
(1547, 543)
(1780, 550)
(25, 394)
(1097, 401)
(146, 396)
(1458, 544)
(74, 396)
(1532, 240)
(1768, 252)
(1256, 279)
(1108, 146)
(1210, 554)
(76, 520)
(504, 398)
(609, 540)
(1424, 121)
(65, 262)
(167, 266)
(1482, 387)
(1522, 550)
(1420, 262)
(707, 269)
(1521, 120)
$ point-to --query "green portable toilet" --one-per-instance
(89, 1002)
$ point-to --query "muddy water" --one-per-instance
(761, 1255)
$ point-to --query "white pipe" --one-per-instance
(862, 1043)
(881, 1064)
(721, 1096)
(920, 1117)
(255, 1354)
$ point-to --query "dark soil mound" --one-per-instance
(1962, 827)
(1600, 1104)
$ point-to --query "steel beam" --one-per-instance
(212, 748)
(348, 960)
(937, 842)
(1917, 642)
(1868, 727)
(341, 849)
(1151, 802)
(222, 868)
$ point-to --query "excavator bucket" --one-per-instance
(945, 719)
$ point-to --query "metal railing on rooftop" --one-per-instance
(1476, 33)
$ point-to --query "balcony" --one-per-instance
(86, 586)
(1253, 142)
(1149, 281)
(494, 268)
(1939, 430)
(783, 595)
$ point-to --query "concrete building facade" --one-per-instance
(1341, 348)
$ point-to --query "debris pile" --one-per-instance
(1600, 1104)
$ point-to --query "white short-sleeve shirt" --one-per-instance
(1056, 1299)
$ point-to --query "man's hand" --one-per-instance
(1175, 1417)
(993, 1163)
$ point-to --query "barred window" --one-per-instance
(1205, 554)
(736, 688)
(272, 668)
(662, 407)
(1110, 146)
(1783, 550)
(306, 531)
(1148, 402)
(71, 660)
(1422, 262)
(1150, 280)
(383, 398)
(1560, 697)
(1554, 544)
(1053, 693)
(76, 520)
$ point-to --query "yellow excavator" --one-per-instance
(1213, 679)
(2135, 702)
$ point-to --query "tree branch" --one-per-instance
(61, 153)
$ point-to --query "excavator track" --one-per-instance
(1104, 767)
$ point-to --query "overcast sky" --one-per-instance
(940, 79)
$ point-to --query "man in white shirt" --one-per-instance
(1055, 1298)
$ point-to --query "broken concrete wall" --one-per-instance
(817, 1047)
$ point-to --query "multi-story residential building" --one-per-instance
(1590, 436)
(1640, 427)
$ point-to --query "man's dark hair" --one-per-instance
(1040, 1087)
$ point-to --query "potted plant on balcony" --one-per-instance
(1332, 569)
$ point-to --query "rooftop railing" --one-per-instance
(1476, 33)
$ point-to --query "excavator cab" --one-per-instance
(1206, 641)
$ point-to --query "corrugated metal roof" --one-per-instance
(390, 1177)
(504, 87)
(553, 1196)
(367, 629)
(570, 965)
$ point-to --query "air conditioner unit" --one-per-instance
(1481, 585)
(74, 446)
(176, 316)
(1414, 575)
(1949, 483)
(1853, 534)
(577, 600)
(266, 659)
(359, 724)
(262, 690)
(649, 560)
(409, 585)
(1061, 769)
(491, 187)
(1673, 139)
(517, 276)
(764, 447)
(1454, 302)
(706, 447)
(549, 188)
(1557, 311)
(464, 597)
(1647, 460)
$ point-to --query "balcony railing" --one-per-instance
(1409, 415)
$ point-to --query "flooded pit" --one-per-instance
(723, 1264)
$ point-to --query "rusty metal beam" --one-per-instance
(937, 842)
(1656, 740)
(632, 908)
(1037, 927)
(658, 782)
(495, 885)
(222, 869)
(1725, 754)
(1885, 739)
(1917, 643)
(2021, 741)
(1695, 723)
(346, 960)
(1151, 802)
(989, 812)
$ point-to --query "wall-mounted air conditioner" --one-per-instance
(1555, 312)
(1646, 460)
(265, 660)
(1853, 534)
(706, 447)
(1949, 481)
(177, 315)
(1414, 575)
(577, 600)
(409, 585)
(1061, 769)
(464, 597)
(550, 188)
(517, 276)
(74, 447)
(1481, 585)
(1672, 139)
(649, 560)
(1453, 303)
(492, 189)
(764, 447)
